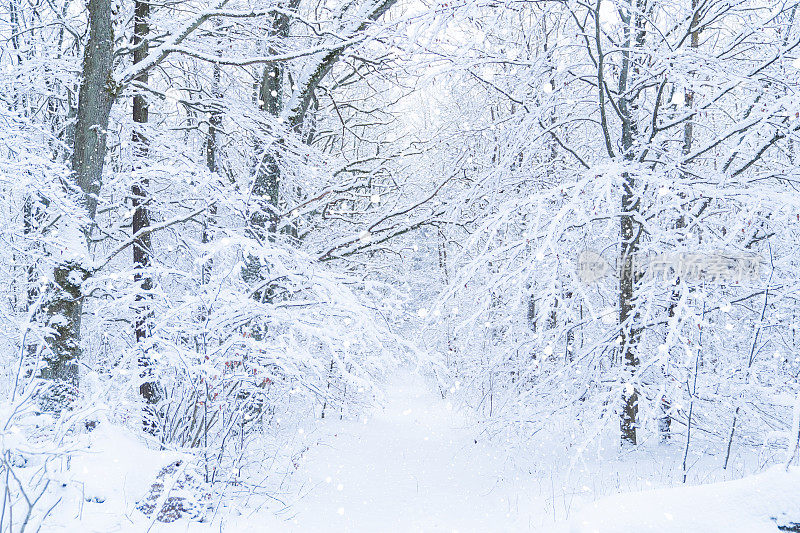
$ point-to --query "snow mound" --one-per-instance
(765, 502)
(117, 466)
(111, 469)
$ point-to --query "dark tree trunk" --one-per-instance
(630, 331)
(63, 309)
(141, 215)
(266, 186)
(142, 246)
(64, 320)
(264, 215)
(630, 227)
(97, 93)
(214, 124)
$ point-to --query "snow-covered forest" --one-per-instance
(399, 265)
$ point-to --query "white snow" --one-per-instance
(117, 465)
(106, 481)
(749, 505)
(412, 466)
(419, 464)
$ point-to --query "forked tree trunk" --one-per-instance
(263, 221)
(264, 216)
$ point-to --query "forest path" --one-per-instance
(413, 465)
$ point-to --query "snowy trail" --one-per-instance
(410, 467)
(414, 466)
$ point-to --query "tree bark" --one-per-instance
(64, 307)
(97, 94)
(266, 186)
(212, 157)
(630, 227)
(264, 216)
(64, 321)
(688, 139)
(142, 245)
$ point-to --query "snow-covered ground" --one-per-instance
(416, 464)
(755, 504)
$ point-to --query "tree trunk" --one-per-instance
(264, 215)
(630, 228)
(266, 186)
(64, 320)
(214, 124)
(63, 309)
(688, 138)
(97, 94)
(142, 246)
